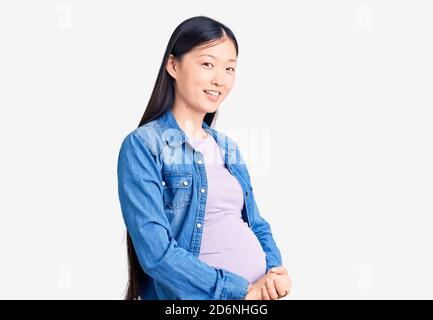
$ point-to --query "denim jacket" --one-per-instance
(162, 189)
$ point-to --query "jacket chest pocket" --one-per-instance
(177, 189)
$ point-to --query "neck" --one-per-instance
(190, 121)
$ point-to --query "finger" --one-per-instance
(284, 281)
(265, 295)
(271, 289)
(289, 286)
(280, 289)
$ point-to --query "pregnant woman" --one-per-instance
(194, 230)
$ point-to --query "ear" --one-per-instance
(171, 66)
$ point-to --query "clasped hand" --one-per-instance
(272, 286)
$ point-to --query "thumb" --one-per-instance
(279, 270)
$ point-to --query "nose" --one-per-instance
(217, 81)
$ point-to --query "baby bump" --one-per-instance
(230, 244)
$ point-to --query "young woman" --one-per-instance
(193, 227)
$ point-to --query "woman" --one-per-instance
(194, 229)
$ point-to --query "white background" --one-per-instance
(336, 95)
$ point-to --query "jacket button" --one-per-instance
(202, 190)
(163, 183)
(199, 161)
(198, 225)
(185, 183)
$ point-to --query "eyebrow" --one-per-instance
(209, 55)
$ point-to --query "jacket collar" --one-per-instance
(173, 134)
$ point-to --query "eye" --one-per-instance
(233, 69)
(207, 63)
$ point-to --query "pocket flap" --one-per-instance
(177, 180)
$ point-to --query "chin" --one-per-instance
(212, 109)
(208, 108)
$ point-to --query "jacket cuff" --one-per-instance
(235, 287)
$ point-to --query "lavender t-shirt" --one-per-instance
(227, 240)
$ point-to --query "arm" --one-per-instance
(260, 226)
(140, 195)
(263, 232)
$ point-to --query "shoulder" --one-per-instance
(149, 135)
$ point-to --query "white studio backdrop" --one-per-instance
(332, 108)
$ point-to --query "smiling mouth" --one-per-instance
(212, 92)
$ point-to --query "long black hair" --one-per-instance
(189, 34)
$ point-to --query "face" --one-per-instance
(204, 76)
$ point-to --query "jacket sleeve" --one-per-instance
(263, 232)
(261, 227)
(141, 199)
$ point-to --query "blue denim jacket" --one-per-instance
(162, 189)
